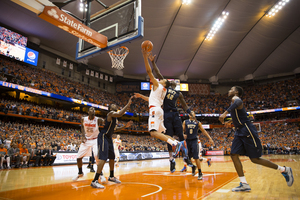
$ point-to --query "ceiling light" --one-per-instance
(186, 2)
(217, 25)
(278, 6)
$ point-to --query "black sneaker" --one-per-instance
(172, 166)
(193, 170)
(92, 170)
(89, 166)
(200, 176)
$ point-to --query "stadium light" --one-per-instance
(217, 25)
(186, 2)
(278, 6)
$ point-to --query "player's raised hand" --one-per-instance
(228, 124)
(137, 95)
(129, 124)
(145, 53)
(151, 57)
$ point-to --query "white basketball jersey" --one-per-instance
(156, 97)
(117, 143)
(90, 127)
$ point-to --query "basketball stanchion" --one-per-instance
(117, 57)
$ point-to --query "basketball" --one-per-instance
(147, 45)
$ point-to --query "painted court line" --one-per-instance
(160, 188)
(223, 190)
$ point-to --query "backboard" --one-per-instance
(121, 23)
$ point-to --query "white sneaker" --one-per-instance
(77, 177)
(114, 179)
(96, 184)
(102, 179)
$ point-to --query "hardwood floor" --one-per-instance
(151, 179)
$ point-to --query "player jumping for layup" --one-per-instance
(246, 141)
(172, 120)
(156, 113)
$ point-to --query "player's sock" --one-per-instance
(112, 173)
(101, 173)
(243, 179)
(281, 169)
(96, 177)
(172, 142)
(80, 170)
(199, 171)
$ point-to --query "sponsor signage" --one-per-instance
(62, 20)
(31, 56)
(214, 153)
(145, 86)
(68, 158)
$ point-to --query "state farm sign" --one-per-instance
(55, 16)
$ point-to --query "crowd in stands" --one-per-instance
(256, 97)
(12, 38)
(23, 142)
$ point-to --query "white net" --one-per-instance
(117, 57)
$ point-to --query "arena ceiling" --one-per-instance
(249, 44)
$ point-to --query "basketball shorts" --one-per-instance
(106, 147)
(86, 149)
(193, 148)
(156, 120)
(248, 144)
(117, 153)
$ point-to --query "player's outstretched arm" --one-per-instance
(148, 69)
(152, 58)
(205, 133)
(121, 112)
(138, 95)
(184, 105)
(128, 124)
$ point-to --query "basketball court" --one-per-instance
(151, 179)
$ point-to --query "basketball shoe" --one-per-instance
(92, 169)
(188, 161)
(244, 187)
(208, 162)
(114, 179)
(102, 179)
(288, 175)
(177, 149)
(193, 170)
(96, 184)
(200, 176)
(183, 169)
(77, 177)
(172, 166)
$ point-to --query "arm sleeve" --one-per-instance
(235, 104)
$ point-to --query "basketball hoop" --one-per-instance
(117, 57)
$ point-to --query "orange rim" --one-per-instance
(111, 52)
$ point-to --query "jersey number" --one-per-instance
(170, 96)
(191, 131)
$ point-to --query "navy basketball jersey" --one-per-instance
(191, 129)
(109, 127)
(239, 117)
(170, 100)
